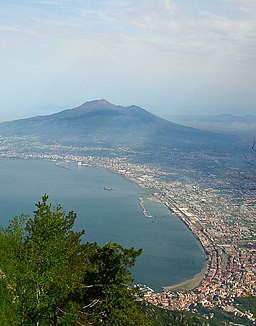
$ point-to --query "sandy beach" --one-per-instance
(187, 284)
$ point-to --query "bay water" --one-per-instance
(107, 207)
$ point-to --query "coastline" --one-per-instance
(228, 269)
(196, 280)
(189, 284)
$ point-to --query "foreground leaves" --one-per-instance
(48, 277)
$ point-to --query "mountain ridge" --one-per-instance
(100, 121)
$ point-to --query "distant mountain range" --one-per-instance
(228, 123)
(100, 122)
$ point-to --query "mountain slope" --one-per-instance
(101, 122)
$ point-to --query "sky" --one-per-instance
(167, 56)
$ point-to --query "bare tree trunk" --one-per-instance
(55, 318)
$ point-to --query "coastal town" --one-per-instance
(224, 226)
(226, 231)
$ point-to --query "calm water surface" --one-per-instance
(170, 252)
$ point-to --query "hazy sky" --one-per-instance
(168, 56)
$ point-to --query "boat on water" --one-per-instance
(108, 188)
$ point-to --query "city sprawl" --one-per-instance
(224, 224)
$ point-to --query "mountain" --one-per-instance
(100, 122)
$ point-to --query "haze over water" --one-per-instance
(170, 252)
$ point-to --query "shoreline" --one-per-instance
(188, 284)
(196, 280)
(185, 285)
(229, 264)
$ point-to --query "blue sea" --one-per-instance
(170, 255)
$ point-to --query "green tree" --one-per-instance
(44, 266)
(48, 277)
(13, 268)
(56, 259)
(108, 298)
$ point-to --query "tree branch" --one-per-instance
(92, 304)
